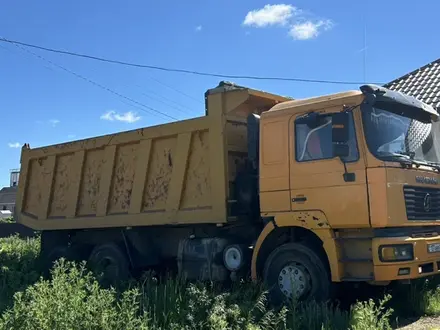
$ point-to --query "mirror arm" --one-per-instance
(348, 177)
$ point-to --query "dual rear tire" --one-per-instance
(109, 264)
(107, 261)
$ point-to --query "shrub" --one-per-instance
(372, 316)
(18, 264)
(73, 300)
(420, 298)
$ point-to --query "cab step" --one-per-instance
(348, 238)
(354, 260)
(357, 279)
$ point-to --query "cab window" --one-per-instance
(315, 142)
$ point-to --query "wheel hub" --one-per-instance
(294, 281)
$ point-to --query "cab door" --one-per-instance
(317, 180)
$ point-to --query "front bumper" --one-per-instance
(423, 264)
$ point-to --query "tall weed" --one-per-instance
(18, 266)
(72, 299)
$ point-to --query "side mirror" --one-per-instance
(340, 127)
(340, 138)
(340, 134)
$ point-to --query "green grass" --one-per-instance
(72, 299)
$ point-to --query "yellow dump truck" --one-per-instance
(297, 193)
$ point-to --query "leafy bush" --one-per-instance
(72, 299)
(18, 264)
(420, 298)
(368, 315)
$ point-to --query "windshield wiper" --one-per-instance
(396, 156)
(407, 158)
(435, 165)
(403, 158)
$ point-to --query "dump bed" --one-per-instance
(177, 173)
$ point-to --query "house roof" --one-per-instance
(422, 83)
(7, 195)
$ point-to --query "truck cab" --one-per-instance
(359, 170)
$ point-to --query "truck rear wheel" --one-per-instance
(48, 259)
(295, 272)
(109, 264)
(53, 246)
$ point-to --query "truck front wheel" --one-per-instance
(295, 272)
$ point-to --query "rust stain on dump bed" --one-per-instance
(61, 186)
(122, 185)
(159, 174)
(91, 179)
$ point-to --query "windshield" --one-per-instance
(393, 136)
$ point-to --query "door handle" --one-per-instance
(299, 199)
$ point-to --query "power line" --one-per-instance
(200, 73)
(177, 106)
(176, 90)
(156, 98)
(140, 106)
(163, 99)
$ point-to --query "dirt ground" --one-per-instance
(424, 323)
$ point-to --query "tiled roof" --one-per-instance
(7, 195)
(423, 83)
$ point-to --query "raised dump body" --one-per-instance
(177, 173)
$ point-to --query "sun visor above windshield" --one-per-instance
(399, 103)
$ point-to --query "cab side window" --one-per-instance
(315, 143)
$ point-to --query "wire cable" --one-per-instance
(168, 103)
(176, 90)
(139, 106)
(199, 73)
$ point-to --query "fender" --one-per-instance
(314, 221)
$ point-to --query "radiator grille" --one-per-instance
(422, 203)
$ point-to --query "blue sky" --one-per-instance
(42, 104)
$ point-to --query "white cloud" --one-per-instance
(301, 25)
(54, 122)
(14, 145)
(128, 117)
(198, 28)
(270, 15)
(71, 136)
(308, 29)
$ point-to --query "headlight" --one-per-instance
(400, 252)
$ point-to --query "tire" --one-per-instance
(310, 279)
(54, 245)
(48, 259)
(109, 264)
